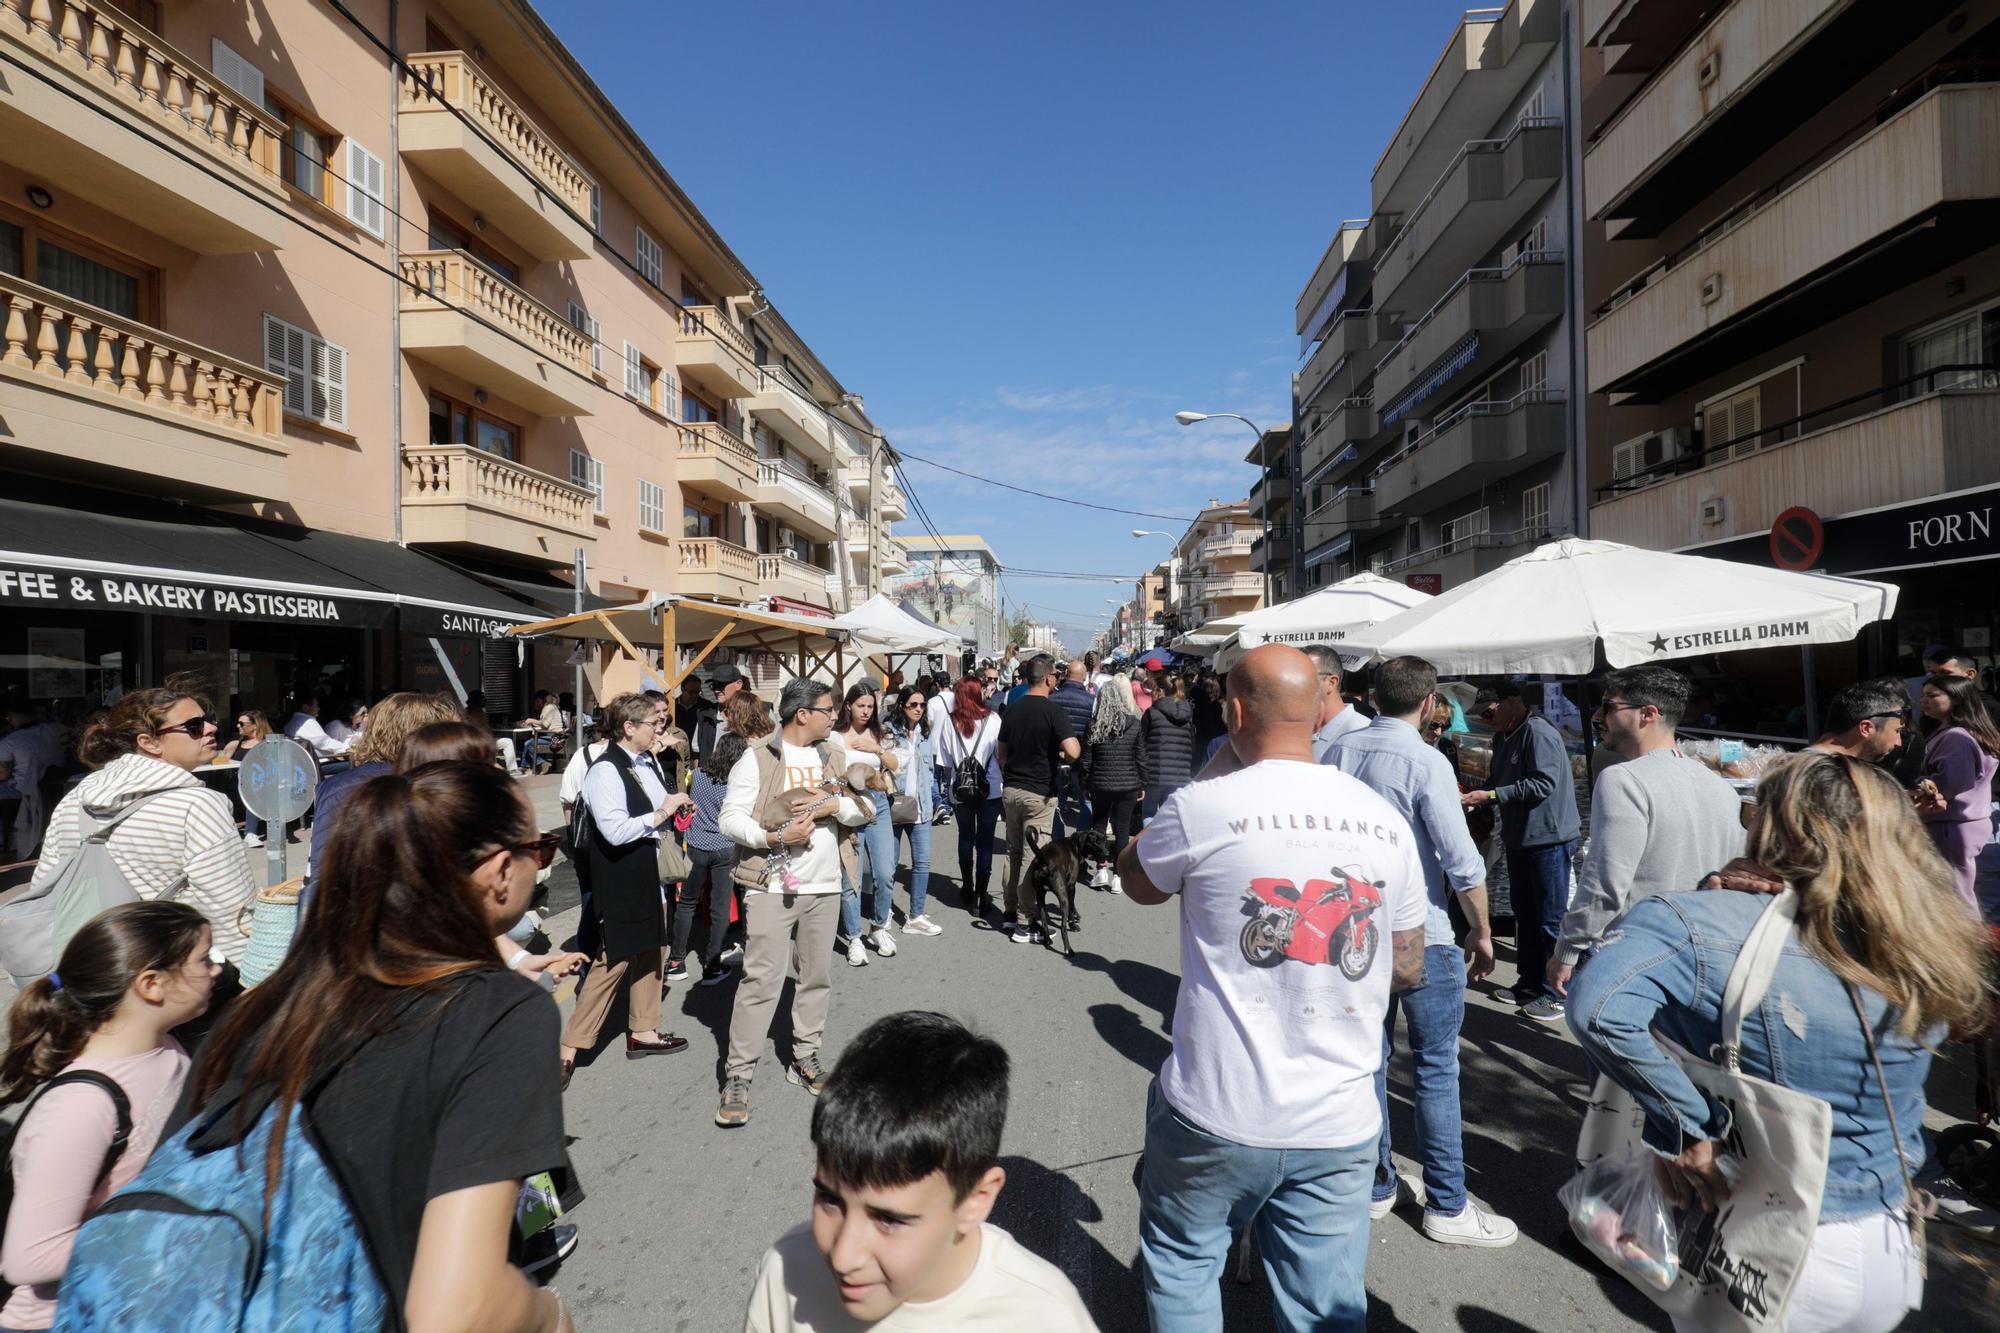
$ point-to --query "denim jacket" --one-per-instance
(913, 752)
(1663, 967)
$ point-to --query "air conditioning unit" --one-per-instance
(1645, 452)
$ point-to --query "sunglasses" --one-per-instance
(543, 849)
(194, 727)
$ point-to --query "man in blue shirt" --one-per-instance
(1389, 756)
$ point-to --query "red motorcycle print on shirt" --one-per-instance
(1331, 921)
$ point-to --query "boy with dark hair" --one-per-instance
(907, 1134)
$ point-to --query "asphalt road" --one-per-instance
(679, 1212)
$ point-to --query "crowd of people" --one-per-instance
(372, 1116)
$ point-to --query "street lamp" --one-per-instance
(1264, 509)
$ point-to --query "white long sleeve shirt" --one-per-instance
(306, 730)
(817, 863)
(604, 793)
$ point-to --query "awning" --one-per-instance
(684, 622)
(545, 592)
(1454, 361)
(207, 566)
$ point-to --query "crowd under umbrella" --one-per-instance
(1330, 616)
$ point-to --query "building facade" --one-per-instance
(1213, 556)
(954, 581)
(1793, 290)
(1275, 551)
(1432, 414)
(373, 291)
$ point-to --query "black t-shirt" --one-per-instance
(1033, 730)
(465, 1090)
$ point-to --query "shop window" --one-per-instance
(315, 371)
(588, 473)
(652, 506)
(646, 253)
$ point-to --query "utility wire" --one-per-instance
(1040, 495)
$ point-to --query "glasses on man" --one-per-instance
(1614, 705)
(195, 727)
(1900, 715)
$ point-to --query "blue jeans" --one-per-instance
(1436, 1012)
(877, 848)
(919, 835)
(1538, 877)
(1310, 1207)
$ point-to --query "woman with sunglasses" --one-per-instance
(176, 838)
(910, 734)
(630, 804)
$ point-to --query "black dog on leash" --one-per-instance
(1059, 866)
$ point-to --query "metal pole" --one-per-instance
(576, 717)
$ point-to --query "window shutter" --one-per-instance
(237, 72)
(330, 371)
(364, 189)
(635, 374)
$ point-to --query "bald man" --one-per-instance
(1269, 1095)
(1072, 695)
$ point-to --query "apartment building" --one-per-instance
(1274, 552)
(1216, 579)
(1793, 284)
(1431, 414)
(1155, 599)
(433, 327)
(953, 580)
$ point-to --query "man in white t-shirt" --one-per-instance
(1300, 894)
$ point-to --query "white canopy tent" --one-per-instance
(1329, 616)
(880, 627)
(1549, 610)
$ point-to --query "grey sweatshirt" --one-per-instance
(1537, 794)
(1658, 823)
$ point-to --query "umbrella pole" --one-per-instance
(1808, 664)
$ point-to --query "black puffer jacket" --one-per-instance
(1116, 764)
(1168, 732)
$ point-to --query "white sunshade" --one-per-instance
(886, 628)
(1330, 616)
(1548, 610)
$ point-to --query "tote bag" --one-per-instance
(1739, 1264)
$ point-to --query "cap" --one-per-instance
(724, 675)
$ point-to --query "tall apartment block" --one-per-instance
(330, 344)
(1432, 417)
(1214, 557)
(1274, 552)
(1793, 284)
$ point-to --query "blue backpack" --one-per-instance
(185, 1245)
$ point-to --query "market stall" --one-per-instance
(881, 628)
(689, 632)
(1329, 616)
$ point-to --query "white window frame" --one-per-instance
(1455, 533)
(588, 473)
(636, 386)
(315, 372)
(365, 188)
(651, 260)
(652, 506)
(1535, 508)
(1535, 372)
(585, 323)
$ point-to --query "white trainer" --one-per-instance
(879, 937)
(252, 840)
(922, 925)
(1116, 885)
(1102, 879)
(1408, 1189)
(1473, 1226)
(857, 954)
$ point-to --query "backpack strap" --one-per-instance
(120, 1104)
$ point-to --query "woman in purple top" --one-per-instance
(1956, 795)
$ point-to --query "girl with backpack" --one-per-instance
(969, 747)
(89, 1046)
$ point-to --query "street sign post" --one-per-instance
(277, 782)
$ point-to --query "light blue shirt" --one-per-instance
(604, 793)
(1391, 759)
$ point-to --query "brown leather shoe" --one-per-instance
(666, 1045)
(568, 1068)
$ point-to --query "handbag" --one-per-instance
(903, 809)
(1739, 1264)
(675, 864)
(274, 919)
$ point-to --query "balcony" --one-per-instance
(854, 475)
(1459, 562)
(1272, 550)
(1342, 271)
(805, 504)
(889, 500)
(100, 108)
(1346, 356)
(1349, 509)
(714, 461)
(1913, 195)
(92, 395)
(1218, 587)
(895, 558)
(1728, 96)
(787, 576)
(1470, 449)
(716, 571)
(1273, 488)
(1484, 68)
(1891, 453)
(457, 127)
(1342, 430)
(1485, 192)
(1486, 315)
(714, 355)
(1234, 544)
(456, 495)
(461, 316)
(787, 411)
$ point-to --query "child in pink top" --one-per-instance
(128, 977)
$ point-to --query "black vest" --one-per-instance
(625, 879)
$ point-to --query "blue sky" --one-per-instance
(1029, 233)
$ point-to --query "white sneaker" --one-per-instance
(857, 956)
(1473, 1226)
(1407, 1188)
(731, 956)
(1961, 1209)
(1024, 935)
(922, 925)
(1116, 885)
(1546, 1009)
(252, 840)
(879, 937)
(1102, 879)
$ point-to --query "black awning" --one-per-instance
(548, 594)
(432, 597)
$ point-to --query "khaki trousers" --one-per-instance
(1024, 810)
(769, 921)
(638, 976)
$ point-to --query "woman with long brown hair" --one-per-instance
(1879, 928)
(1955, 796)
(420, 1065)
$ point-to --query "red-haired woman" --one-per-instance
(974, 733)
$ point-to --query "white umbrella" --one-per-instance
(886, 627)
(1547, 611)
(1328, 616)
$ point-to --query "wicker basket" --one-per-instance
(274, 917)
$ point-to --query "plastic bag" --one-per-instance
(1617, 1209)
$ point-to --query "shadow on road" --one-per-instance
(1124, 1032)
(1151, 986)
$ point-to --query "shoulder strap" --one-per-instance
(120, 1104)
(93, 829)
(1916, 1203)
(1755, 966)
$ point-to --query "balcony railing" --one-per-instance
(448, 279)
(458, 474)
(92, 351)
(789, 569)
(450, 78)
(712, 555)
(705, 320)
(1495, 407)
(712, 438)
(1397, 403)
(1471, 542)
